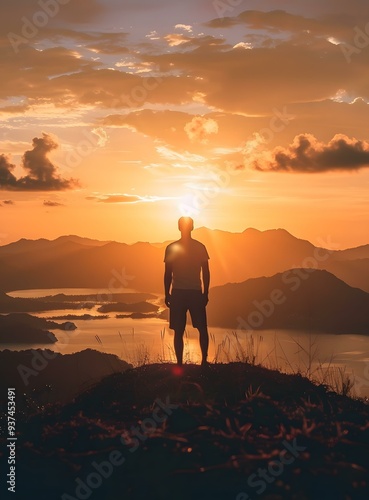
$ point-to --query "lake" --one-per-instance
(326, 357)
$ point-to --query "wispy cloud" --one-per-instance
(175, 156)
(127, 198)
(48, 203)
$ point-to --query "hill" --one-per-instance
(298, 299)
(21, 305)
(26, 329)
(233, 431)
(44, 376)
(235, 257)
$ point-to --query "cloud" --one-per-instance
(184, 27)
(252, 81)
(243, 45)
(175, 39)
(7, 202)
(179, 157)
(75, 11)
(48, 203)
(13, 147)
(81, 11)
(119, 198)
(199, 128)
(42, 174)
(127, 198)
(256, 81)
(279, 21)
(6, 176)
(307, 155)
(98, 42)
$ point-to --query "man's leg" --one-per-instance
(177, 315)
(178, 345)
(204, 343)
(198, 315)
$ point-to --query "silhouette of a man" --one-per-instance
(185, 261)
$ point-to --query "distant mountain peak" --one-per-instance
(251, 230)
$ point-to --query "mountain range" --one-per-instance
(71, 261)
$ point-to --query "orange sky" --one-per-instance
(118, 117)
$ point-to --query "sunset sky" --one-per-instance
(118, 116)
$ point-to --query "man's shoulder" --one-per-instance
(198, 243)
(172, 245)
(171, 250)
(200, 249)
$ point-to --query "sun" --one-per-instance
(186, 206)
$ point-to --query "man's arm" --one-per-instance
(168, 273)
(206, 279)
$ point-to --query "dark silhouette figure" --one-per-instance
(185, 261)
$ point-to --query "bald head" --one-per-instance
(185, 225)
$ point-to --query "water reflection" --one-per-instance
(321, 356)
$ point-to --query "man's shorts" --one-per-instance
(183, 301)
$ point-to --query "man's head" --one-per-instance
(185, 225)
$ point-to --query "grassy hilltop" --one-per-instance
(232, 431)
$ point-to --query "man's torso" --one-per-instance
(186, 258)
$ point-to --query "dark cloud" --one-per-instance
(7, 202)
(48, 203)
(205, 69)
(75, 11)
(16, 110)
(255, 81)
(100, 42)
(307, 155)
(42, 174)
(277, 21)
(6, 176)
(82, 11)
(277, 71)
(353, 9)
